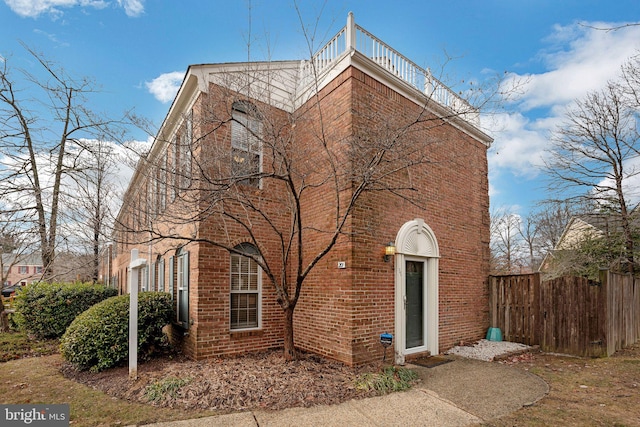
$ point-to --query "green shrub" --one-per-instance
(47, 309)
(170, 386)
(391, 379)
(98, 339)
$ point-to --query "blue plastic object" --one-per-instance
(385, 339)
(494, 334)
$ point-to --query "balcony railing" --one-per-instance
(354, 37)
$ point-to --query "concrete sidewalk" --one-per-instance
(458, 393)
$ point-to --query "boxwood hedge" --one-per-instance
(98, 339)
(47, 309)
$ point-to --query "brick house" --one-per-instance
(27, 268)
(21, 269)
(428, 205)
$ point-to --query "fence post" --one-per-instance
(534, 299)
(493, 322)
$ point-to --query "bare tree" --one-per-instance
(279, 159)
(529, 230)
(631, 80)
(89, 209)
(591, 156)
(40, 119)
(506, 242)
(16, 240)
(551, 220)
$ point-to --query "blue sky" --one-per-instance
(138, 50)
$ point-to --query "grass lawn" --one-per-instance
(30, 374)
(583, 391)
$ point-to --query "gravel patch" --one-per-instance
(488, 350)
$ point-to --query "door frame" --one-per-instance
(415, 241)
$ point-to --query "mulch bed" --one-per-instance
(264, 380)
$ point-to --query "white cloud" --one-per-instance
(519, 145)
(631, 183)
(35, 8)
(579, 59)
(52, 37)
(165, 87)
(132, 8)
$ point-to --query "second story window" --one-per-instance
(246, 151)
(174, 167)
(185, 141)
(23, 269)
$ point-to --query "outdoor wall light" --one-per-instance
(389, 251)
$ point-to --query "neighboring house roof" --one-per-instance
(27, 259)
(597, 223)
(578, 228)
(588, 225)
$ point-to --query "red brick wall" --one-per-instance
(350, 308)
(451, 194)
(341, 312)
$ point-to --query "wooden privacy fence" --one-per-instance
(570, 315)
(515, 307)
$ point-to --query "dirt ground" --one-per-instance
(263, 380)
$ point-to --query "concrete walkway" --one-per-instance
(458, 393)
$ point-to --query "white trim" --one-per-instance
(416, 242)
(258, 292)
(182, 258)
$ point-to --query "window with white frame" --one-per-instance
(162, 183)
(160, 275)
(246, 151)
(23, 269)
(186, 138)
(174, 168)
(246, 288)
(182, 282)
(144, 279)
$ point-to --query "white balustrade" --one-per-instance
(354, 37)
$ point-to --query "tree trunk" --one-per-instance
(48, 254)
(626, 227)
(4, 320)
(289, 347)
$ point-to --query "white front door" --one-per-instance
(416, 283)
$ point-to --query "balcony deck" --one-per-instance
(353, 37)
